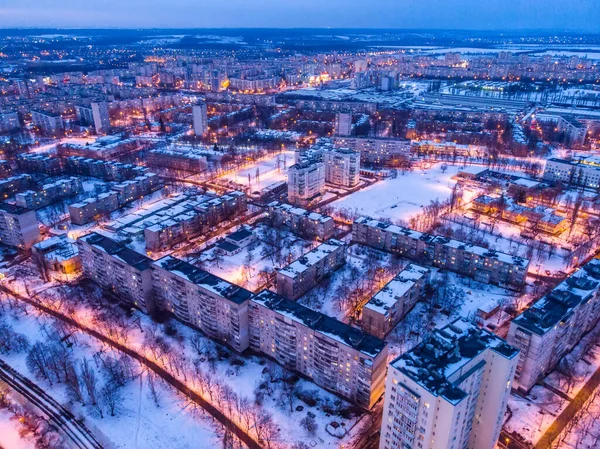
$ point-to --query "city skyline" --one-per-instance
(583, 15)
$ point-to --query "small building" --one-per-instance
(58, 254)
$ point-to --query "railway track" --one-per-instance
(58, 416)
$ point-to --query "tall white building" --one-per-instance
(306, 181)
(343, 124)
(200, 118)
(100, 116)
(449, 392)
(342, 167)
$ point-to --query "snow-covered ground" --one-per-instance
(232, 269)
(9, 433)
(533, 415)
(402, 197)
(270, 170)
(139, 422)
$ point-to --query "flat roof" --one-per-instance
(434, 363)
(557, 305)
(345, 334)
(204, 279)
(317, 254)
(118, 250)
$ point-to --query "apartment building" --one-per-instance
(117, 268)
(59, 254)
(482, 264)
(190, 218)
(390, 304)
(18, 226)
(15, 184)
(189, 160)
(49, 193)
(552, 326)
(105, 147)
(300, 221)
(106, 170)
(40, 163)
(377, 152)
(448, 392)
(9, 121)
(48, 122)
(540, 218)
(200, 119)
(101, 119)
(583, 171)
(343, 124)
(304, 273)
(202, 300)
(342, 167)
(334, 355)
(306, 182)
(93, 208)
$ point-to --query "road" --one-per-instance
(561, 421)
(158, 370)
(57, 415)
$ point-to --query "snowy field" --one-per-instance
(139, 423)
(402, 197)
(268, 171)
(9, 433)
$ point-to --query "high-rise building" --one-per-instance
(101, 117)
(449, 392)
(200, 119)
(343, 124)
(202, 300)
(552, 326)
(18, 226)
(306, 181)
(342, 167)
(48, 122)
(117, 268)
(334, 355)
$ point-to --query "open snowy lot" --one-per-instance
(270, 170)
(402, 197)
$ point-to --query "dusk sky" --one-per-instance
(582, 15)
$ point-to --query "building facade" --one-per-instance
(332, 354)
(300, 221)
(448, 392)
(18, 226)
(117, 268)
(482, 264)
(552, 326)
(202, 300)
(306, 182)
(390, 304)
(300, 276)
(342, 167)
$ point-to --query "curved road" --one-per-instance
(165, 375)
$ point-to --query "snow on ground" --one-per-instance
(402, 197)
(139, 423)
(532, 415)
(268, 171)
(9, 433)
(231, 267)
